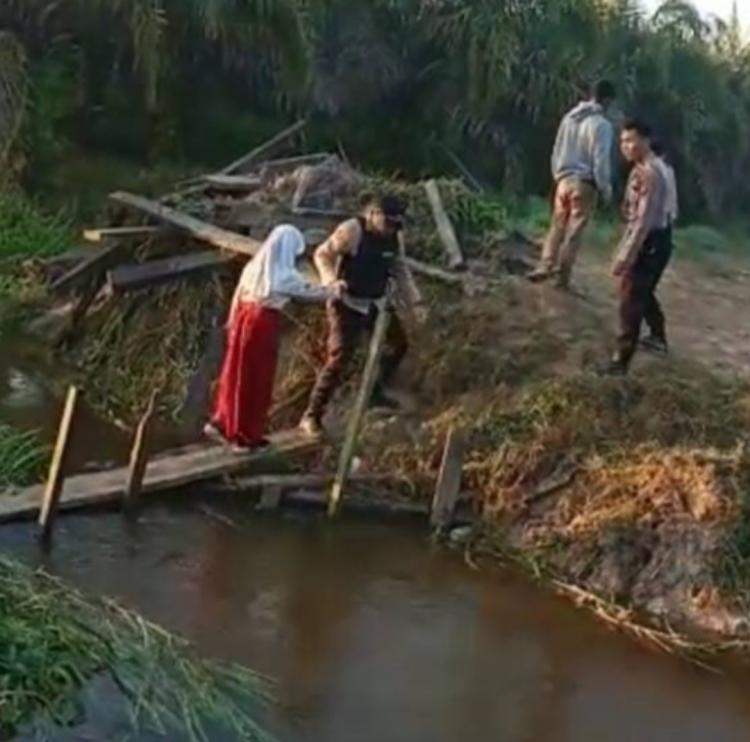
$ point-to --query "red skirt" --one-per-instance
(245, 390)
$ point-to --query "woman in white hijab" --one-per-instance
(245, 390)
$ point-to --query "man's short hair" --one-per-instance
(638, 126)
(603, 91)
(390, 204)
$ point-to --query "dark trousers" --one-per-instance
(637, 291)
(345, 327)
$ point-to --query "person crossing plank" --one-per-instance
(363, 255)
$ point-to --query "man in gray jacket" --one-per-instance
(581, 167)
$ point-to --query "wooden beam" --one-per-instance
(311, 213)
(166, 472)
(139, 454)
(199, 230)
(55, 478)
(360, 408)
(444, 226)
(117, 233)
(99, 262)
(255, 155)
(167, 270)
(449, 480)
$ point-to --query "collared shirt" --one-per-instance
(645, 208)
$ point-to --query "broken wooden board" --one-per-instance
(449, 480)
(87, 269)
(444, 226)
(117, 233)
(166, 472)
(167, 270)
(199, 230)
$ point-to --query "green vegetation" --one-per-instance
(394, 80)
(22, 458)
(53, 641)
(26, 231)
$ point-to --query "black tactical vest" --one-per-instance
(366, 273)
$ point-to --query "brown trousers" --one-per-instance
(345, 327)
(575, 201)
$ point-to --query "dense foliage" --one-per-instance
(394, 80)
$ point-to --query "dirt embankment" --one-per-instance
(635, 490)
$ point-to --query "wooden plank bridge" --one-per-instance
(165, 472)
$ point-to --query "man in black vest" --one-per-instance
(362, 256)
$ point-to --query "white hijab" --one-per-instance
(272, 273)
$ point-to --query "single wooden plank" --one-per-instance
(433, 271)
(53, 488)
(444, 226)
(255, 155)
(99, 262)
(360, 407)
(163, 473)
(167, 270)
(117, 233)
(449, 480)
(199, 230)
(138, 454)
(232, 183)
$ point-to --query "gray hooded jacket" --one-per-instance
(583, 148)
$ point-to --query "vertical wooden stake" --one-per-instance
(449, 480)
(444, 226)
(139, 455)
(360, 407)
(56, 475)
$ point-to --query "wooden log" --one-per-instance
(56, 475)
(449, 480)
(255, 155)
(139, 455)
(360, 408)
(199, 230)
(167, 270)
(117, 233)
(433, 271)
(444, 226)
(99, 262)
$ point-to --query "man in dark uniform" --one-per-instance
(362, 256)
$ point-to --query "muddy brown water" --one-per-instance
(31, 401)
(375, 635)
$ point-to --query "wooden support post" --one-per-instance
(56, 475)
(449, 480)
(360, 407)
(444, 226)
(139, 455)
(270, 498)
